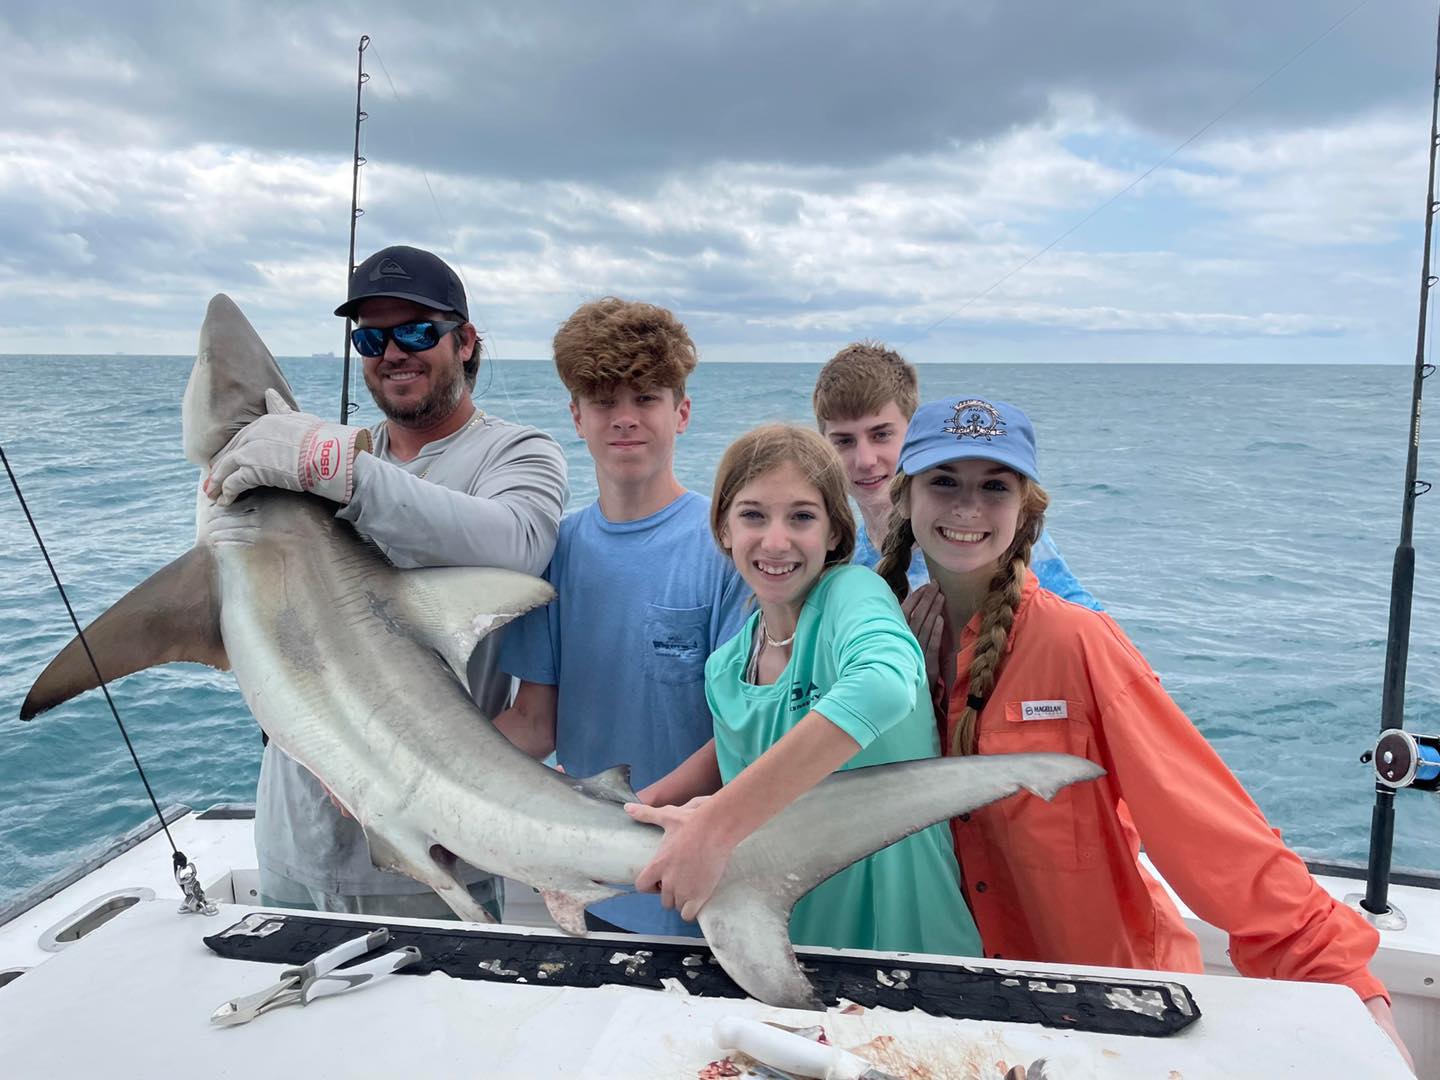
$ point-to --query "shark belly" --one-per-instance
(390, 730)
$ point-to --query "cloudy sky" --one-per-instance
(788, 175)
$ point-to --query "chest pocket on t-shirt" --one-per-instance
(677, 644)
(1063, 833)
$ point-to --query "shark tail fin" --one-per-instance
(838, 822)
(172, 615)
(226, 391)
(748, 929)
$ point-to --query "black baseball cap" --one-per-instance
(406, 273)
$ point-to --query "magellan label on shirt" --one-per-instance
(1043, 710)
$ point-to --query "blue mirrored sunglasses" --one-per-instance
(412, 337)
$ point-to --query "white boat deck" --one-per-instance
(133, 998)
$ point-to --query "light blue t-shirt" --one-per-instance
(1046, 562)
(639, 607)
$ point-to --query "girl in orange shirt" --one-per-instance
(1023, 670)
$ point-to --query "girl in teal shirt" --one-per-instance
(824, 675)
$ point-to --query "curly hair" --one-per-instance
(860, 380)
(768, 447)
(997, 611)
(612, 342)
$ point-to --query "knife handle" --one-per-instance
(787, 1052)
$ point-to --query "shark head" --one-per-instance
(232, 371)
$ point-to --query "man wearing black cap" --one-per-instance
(436, 483)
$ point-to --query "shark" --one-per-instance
(357, 670)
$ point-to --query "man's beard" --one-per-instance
(442, 400)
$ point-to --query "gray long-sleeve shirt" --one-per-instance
(489, 495)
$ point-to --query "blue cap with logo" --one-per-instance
(959, 428)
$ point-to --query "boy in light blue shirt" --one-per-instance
(612, 672)
(864, 398)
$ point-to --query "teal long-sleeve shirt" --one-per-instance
(856, 663)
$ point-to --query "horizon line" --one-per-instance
(793, 363)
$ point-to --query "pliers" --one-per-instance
(302, 985)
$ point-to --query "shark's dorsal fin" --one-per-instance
(613, 784)
(450, 608)
(172, 615)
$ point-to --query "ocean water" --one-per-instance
(1238, 522)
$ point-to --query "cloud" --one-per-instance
(1318, 186)
(566, 90)
(786, 176)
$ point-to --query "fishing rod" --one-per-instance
(1400, 758)
(361, 78)
(445, 226)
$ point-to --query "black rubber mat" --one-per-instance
(1108, 1006)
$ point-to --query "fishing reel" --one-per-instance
(1403, 760)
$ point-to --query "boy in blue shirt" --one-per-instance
(864, 398)
(612, 672)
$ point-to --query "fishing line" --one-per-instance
(178, 855)
(469, 292)
(1139, 179)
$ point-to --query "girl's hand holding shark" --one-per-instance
(700, 835)
(291, 450)
(692, 857)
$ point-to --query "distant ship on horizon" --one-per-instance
(322, 356)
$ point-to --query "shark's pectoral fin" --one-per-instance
(567, 906)
(613, 785)
(749, 932)
(428, 863)
(450, 608)
(173, 615)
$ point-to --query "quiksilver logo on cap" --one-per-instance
(389, 268)
(975, 419)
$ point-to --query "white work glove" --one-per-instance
(291, 450)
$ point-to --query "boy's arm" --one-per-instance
(1053, 573)
(530, 722)
(699, 774)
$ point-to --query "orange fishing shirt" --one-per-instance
(1062, 881)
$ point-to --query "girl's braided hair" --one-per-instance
(997, 612)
